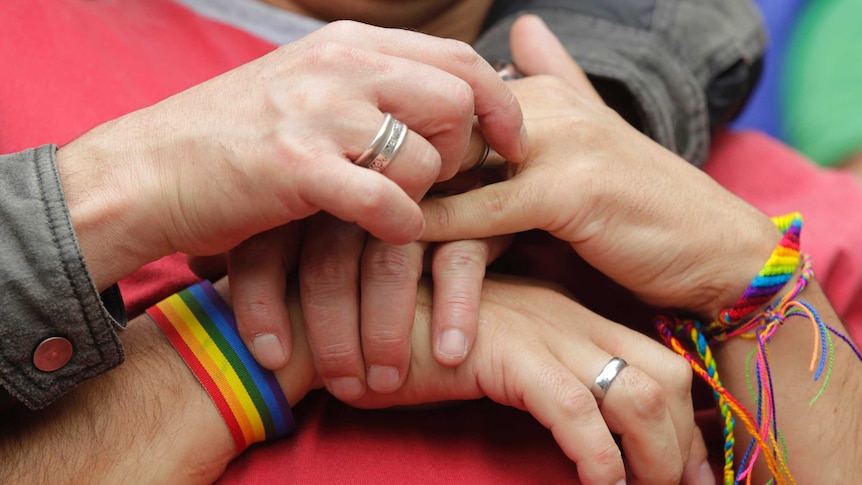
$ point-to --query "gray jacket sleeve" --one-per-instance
(56, 330)
(684, 68)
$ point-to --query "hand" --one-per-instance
(632, 209)
(357, 341)
(333, 254)
(272, 141)
(540, 351)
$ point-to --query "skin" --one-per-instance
(149, 158)
(623, 219)
(363, 343)
(525, 356)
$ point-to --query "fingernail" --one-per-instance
(268, 351)
(706, 476)
(621, 482)
(452, 344)
(383, 378)
(346, 388)
(525, 144)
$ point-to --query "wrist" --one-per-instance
(728, 274)
(254, 403)
(107, 197)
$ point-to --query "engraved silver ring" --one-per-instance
(606, 377)
(384, 146)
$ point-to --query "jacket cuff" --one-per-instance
(56, 329)
(688, 65)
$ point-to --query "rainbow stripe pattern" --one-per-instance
(203, 330)
(691, 339)
(777, 271)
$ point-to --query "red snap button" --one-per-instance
(52, 354)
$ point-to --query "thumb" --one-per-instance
(536, 50)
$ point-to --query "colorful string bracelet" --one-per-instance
(203, 330)
(738, 321)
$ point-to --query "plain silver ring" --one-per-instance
(482, 160)
(606, 377)
(384, 146)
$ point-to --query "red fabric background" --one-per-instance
(80, 63)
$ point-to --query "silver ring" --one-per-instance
(507, 70)
(606, 378)
(384, 146)
(482, 160)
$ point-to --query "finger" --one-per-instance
(458, 269)
(477, 151)
(498, 110)
(258, 280)
(390, 275)
(356, 194)
(506, 207)
(669, 371)
(698, 471)
(562, 403)
(536, 50)
(635, 408)
(415, 166)
(328, 275)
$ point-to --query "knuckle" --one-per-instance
(329, 52)
(426, 161)
(344, 27)
(648, 399)
(386, 337)
(460, 257)
(607, 453)
(574, 402)
(391, 263)
(462, 99)
(338, 355)
(255, 309)
(462, 53)
(326, 271)
(372, 197)
(497, 202)
(679, 374)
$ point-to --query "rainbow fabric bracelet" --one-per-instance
(203, 330)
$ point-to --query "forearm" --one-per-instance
(148, 421)
(820, 437)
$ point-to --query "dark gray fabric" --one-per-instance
(688, 64)
(633, 13)
(45, 288)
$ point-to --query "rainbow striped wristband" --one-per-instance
(202, 329)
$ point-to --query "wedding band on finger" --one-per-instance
(484, 158)
(384, 146)
(606, 378)
(507, 70)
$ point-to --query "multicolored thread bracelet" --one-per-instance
(738, 321)
(203, 330)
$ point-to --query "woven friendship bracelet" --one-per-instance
(777, 271)
(202, 329)
(691, 339)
